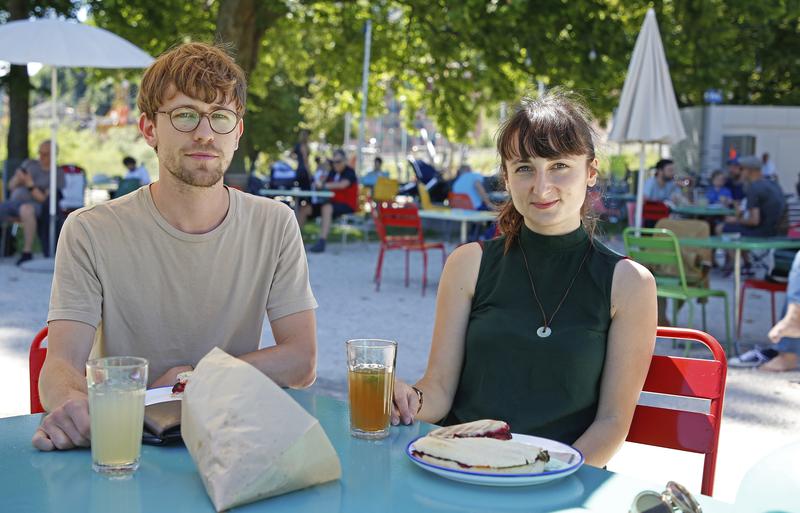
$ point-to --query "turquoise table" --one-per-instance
(738, 245)
(701, 211)
(772, 484)
(377, 478)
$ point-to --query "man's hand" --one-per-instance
(170, 377)
(65, 427)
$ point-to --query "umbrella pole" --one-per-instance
(640, 188)
(53, 157)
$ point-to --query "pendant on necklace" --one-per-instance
(544, 331)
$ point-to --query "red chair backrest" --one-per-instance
(685, 377)
(460, 200)
(399, 217)
(654, 210)
(35, 361)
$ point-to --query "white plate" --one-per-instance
(160, 395)
(481, 478)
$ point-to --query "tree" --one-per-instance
(17, 80)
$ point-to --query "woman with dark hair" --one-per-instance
(543, 327)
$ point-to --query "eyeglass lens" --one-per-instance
(186, 119)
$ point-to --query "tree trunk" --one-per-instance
(18, 99)
(242, 23)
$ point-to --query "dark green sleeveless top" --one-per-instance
(546, 387)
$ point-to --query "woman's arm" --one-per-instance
(453, 304)
(631, 338)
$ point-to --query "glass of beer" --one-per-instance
(370, 379)
(116, 409)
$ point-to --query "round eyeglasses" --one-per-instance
(187, 119)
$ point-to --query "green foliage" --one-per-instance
(453, 60)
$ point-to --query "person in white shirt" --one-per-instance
(768, 167)
(134, 171)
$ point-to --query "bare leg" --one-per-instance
(781, 363)
(327, 217)
(789, 326)
(27, 214)
(302, 214)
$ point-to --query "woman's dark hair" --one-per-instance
(552, 125)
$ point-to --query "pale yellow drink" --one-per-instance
(116, 409)
(117, 417)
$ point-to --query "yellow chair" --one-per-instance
(425, 199)
(385, 189)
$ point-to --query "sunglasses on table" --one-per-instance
(187, 119)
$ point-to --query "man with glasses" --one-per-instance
(181, 266)
(343, 182)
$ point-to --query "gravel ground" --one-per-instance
(760, 409)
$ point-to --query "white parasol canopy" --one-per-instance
(64, 43)
(648, 111)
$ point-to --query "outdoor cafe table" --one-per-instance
(296, 194)
(460, 215)
(377, 477)
(738, 245)
(701, 211)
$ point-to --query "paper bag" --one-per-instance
(249, 439)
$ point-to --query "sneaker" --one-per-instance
(752, 358)
(318, 247)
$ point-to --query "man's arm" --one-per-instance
(344, 183)
(62, 387)
(292, 361)
(483, 194)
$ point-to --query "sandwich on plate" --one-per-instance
(481, 454)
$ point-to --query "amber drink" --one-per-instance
(370, 379)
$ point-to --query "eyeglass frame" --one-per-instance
(202, 115)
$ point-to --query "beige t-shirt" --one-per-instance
(170, 296)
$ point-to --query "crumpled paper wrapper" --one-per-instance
(249, 439)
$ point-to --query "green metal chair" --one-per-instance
(659, 251)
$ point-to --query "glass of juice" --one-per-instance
(116, 409)
(370, 380)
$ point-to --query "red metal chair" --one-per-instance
(459, 200)
(406, 217)
(652, 211)
(36, 358)
(686, 377)
(765, 285)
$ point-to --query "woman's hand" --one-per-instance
(405, 405)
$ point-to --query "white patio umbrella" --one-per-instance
(63, 43)
(648, 111)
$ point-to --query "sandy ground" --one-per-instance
(760, 409)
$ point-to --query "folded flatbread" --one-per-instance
(481, 455)
(485, 428)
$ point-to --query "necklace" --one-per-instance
(544, 331)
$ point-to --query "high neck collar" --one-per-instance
(565, 242)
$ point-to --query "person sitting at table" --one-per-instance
(763, 206)
(718, 194)
(178, 267)
(135, 172)
(471, 183)
(343, 182)
(735, 180)
(544, 327)
(369, 179)
(662, 186)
